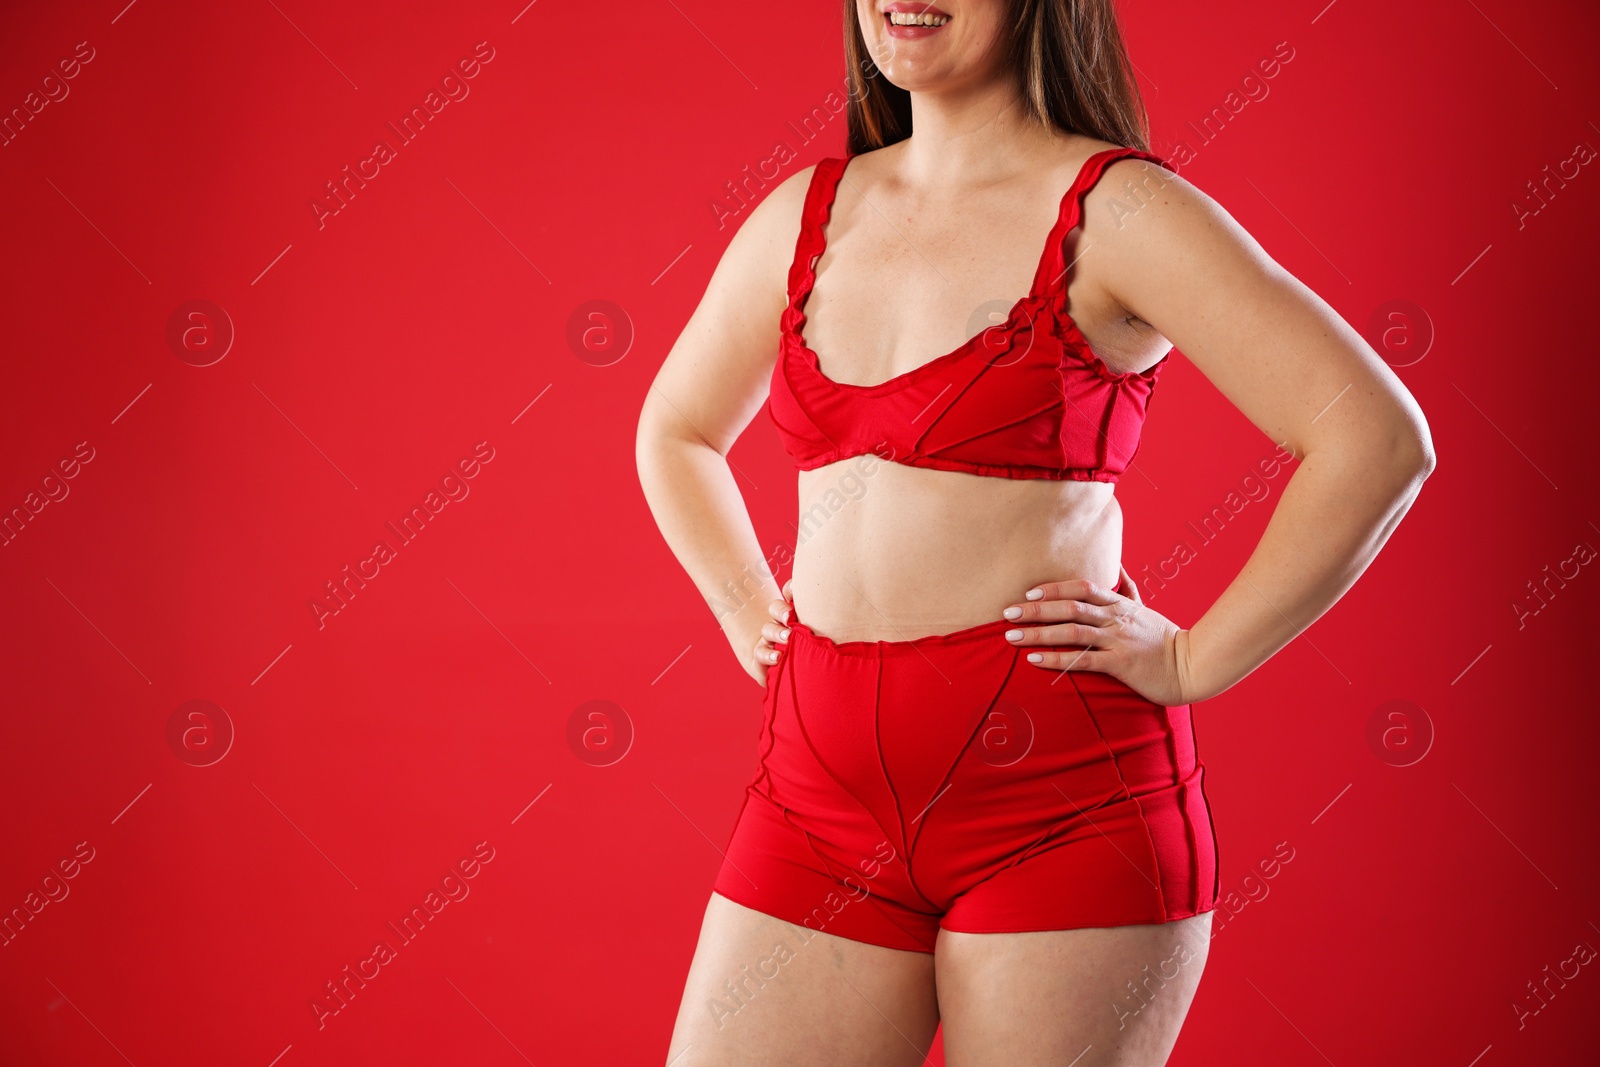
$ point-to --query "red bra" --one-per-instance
(1024, 399)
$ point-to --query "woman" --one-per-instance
(979, 800)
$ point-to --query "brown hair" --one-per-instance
(1071, 68)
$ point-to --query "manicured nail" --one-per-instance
(1035, 594)
(1035, 657)
(1012, 613)
(785, 634)
(786, 613)
(1013, 635)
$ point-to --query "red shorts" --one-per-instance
(946, 782)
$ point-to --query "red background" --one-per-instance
(373, 751)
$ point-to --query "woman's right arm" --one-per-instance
(712, 383)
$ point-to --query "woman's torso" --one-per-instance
(886, 551)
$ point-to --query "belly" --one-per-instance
(888, 552)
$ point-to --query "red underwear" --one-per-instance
(946, 782)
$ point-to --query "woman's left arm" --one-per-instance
(1301, 375)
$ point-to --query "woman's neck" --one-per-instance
(973, 135)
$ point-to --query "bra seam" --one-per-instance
(1077, 356)
(813, 244)
(1057, 403)
(1053, 473)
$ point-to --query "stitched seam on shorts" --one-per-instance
(770, 716)
(736, 822)
(1216, 848)
(1183, 807)
(772, 733)
(799, 719)
(1034, 849)
(899, 812)
(1004, 681)
(871, 896)
(757, 902)
(1155, 857)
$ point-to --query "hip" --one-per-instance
(960, 712)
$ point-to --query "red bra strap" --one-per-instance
(813, 217)
(1053, 266)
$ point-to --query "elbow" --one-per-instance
(1408, 455)
(660, 438)
(1418, 450)
(1397, 455)
(1426, 460)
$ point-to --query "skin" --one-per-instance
(923, 232)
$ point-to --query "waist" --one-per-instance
(817, 664)
(897, 562)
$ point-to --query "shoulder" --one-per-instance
(768, 234)
(763, 244)
(1147, 209)
(789, 195)
(1081, 147)
(780, 209)
(1156, 233)
(1072, 155)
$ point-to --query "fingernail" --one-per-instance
(1012, 613)
(1013, 635)
(1035, 594)
(1035, 657)
(785, 634)
(786, 613)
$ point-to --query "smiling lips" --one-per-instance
(912, 21)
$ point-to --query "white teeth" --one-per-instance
(908, 18)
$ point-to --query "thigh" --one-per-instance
(1111, 996)
(762, 990)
